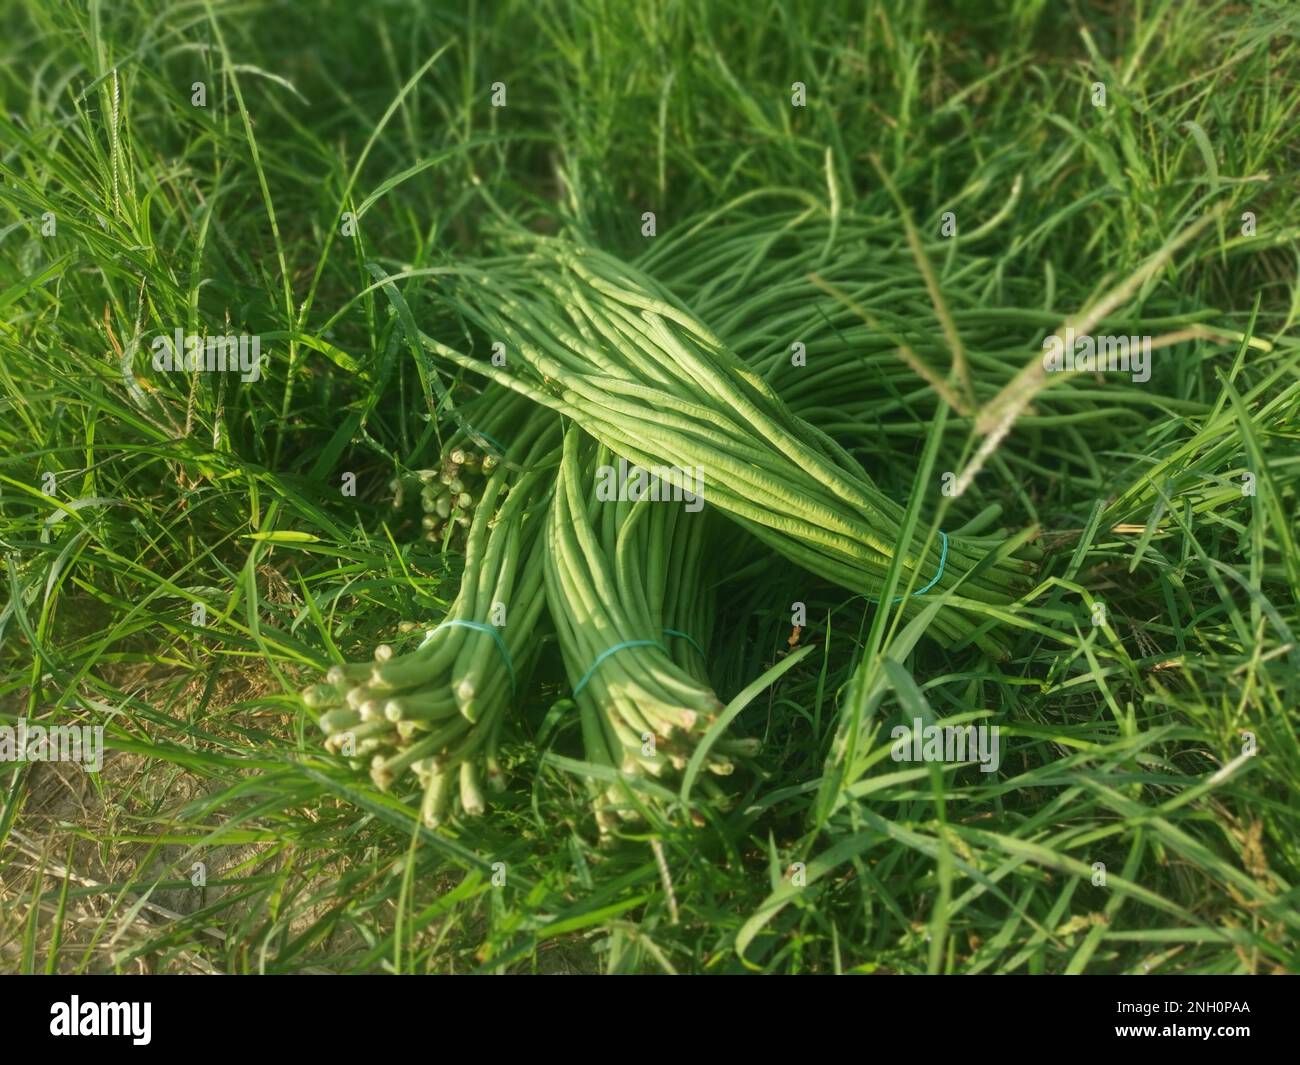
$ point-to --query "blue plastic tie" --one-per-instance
(633, 643)
(478, 626)
(687, 637)
(943, 561)
(609, 651)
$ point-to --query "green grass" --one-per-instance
(1122, 742)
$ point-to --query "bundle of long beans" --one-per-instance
(621, 577)
(602, 343)
(848, 291)
(439, 710)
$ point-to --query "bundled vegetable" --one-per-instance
(439, 710)
(621, 576)
(602, 522)
(605, 345)
(870, 347)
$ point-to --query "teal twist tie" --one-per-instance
(609, 651)
(478, 626)
(943, 561)
(687, 637)
(631, 643)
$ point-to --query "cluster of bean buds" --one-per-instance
(447, 494)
